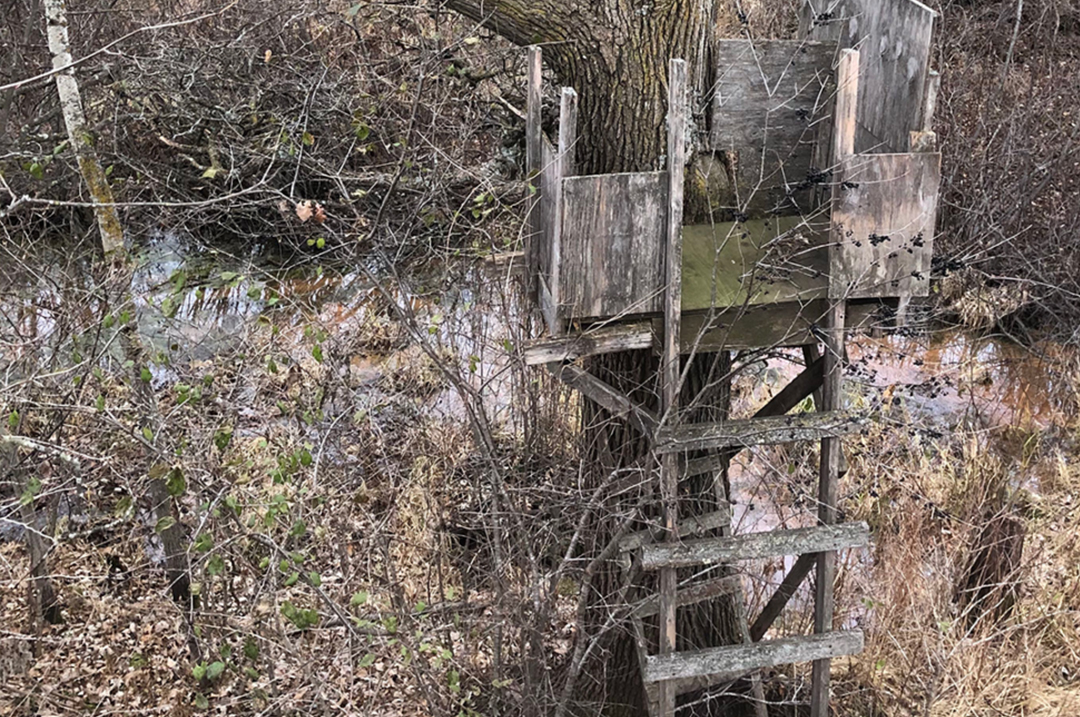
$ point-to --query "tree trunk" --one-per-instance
(615, 54)
(56, 23)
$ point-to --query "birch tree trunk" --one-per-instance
(67, 87)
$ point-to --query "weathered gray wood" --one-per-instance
(618, 404)
(925, 139)
(692, 595)
(568, 113)
(847, 93)
(828, 480)
(883, 225)
(707, 551)
(784, 592)
(667, 603)
(895, 39)
(687, 526)
(786, 324)
(770, 98)
(612, 245)
(606, 339)
(550, 183)
(533, 163)
(734, 660)
(746, 432)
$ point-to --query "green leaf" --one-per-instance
(99, 403)
(199, 671)
(354, 10)
(222, 437)
(254, 292)
(125, 316)
(305, 457)
(37, 171)
(317, 353)
(210, 173)
(291, 580)
(308, 139)
(251, 648)
(176, 485)
(251, 672)
(147, 433)
(13, 420)
(358, 598)
(264, 563)
(169, 307)
(164, 524)
(215, 565)
(367, 660)
(204, 543)
(298, 529)
(225, 651)
(320, 243)
(201, 703)
(214, 670)
(228, 276)
(109, 321)
(314, 578)
(145, 374)
(33, 487)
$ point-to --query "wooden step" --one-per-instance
(688, 526)
(731, 661)
(692, 595)
(618, 404)
(758, 431)
(767, 544)
(607, 339)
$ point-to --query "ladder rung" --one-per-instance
(692, 595)
(730, 661)
(758, 431)
(690, 526)
(618, 337)
(767, 544)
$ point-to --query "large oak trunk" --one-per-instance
(615, 54)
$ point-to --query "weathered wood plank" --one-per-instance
(612, 244)
(746, 432)
(784, 592)
(533, 164)
(606, 339)
(883, 224)
(733, 660)
(667, 603)
(828, 480)
(550, 182)
(618, 404)
(688, 526)
(692, 595)
(568, 114)
(770, 98)
(787, 324)
(894, 37)
(796, 541)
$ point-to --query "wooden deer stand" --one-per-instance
(805, 256)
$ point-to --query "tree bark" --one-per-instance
(615, 54)
(97, 184)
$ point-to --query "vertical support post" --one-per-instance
(831, 390)
(534, 160)
(925, 139)
(669, 368)
(568, 115)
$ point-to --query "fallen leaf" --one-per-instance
(267, 56)
(320, 213)
(304, 210)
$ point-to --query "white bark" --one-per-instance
(67, 87)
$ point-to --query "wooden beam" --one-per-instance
(608, 339)
(832, 398)
(618, 404)
(568, 117)
(692, 595)
(693, 525)
(670, 373)
(534, 159)
(733, 660)
(757, 431)
(768, 544)
(784, 592)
